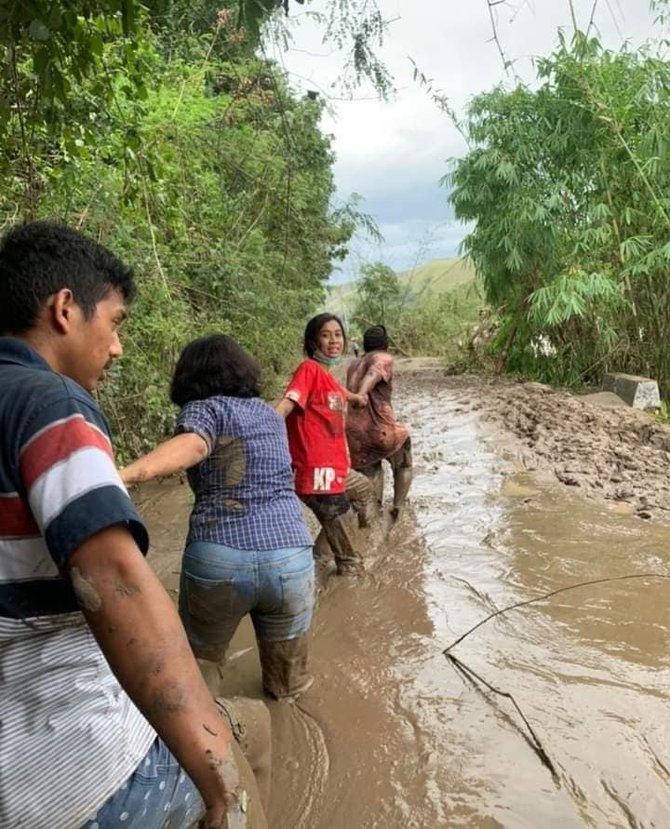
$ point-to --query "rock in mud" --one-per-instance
(638, 392)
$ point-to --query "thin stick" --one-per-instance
(592, 19)
(535, 740)
(152, 233)
(575, 25)
(548, 596)
(494, 26)
(467, 672)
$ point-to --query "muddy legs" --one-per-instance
(375, 475)
(341, 535)
(401, 464)
(337, 538)
(322, 550)
(338, 520)
(361, 493)
(402, 480)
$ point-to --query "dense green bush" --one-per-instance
(195, 163)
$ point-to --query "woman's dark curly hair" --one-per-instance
(211, 366)
(312, 329)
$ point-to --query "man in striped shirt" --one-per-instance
(79, 740)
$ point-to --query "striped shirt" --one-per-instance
(244, 492)
(69, 735)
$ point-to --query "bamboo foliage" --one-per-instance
(567, 185)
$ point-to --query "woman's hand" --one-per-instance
(126, 476)
(174, 455)
(284, 407)
(358, 401)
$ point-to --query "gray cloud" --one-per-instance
(406, 245)
(390, 196)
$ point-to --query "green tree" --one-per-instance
(379, 296)
(567, 185)
(216, 185)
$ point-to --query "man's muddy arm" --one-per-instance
(174, 455)
(138, 630)
(369, 381)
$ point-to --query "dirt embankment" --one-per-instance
(618, 454)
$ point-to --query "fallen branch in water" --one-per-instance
(534, 741)
(548, 596)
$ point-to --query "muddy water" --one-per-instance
(391, 735)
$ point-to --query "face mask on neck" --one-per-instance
(326, 361)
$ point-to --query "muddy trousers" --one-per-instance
(361, 493)
(220, 585)
(401, 467)
(283, 667)
(338, 522)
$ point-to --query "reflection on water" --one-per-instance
(589, 667)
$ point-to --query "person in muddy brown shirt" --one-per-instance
(248, 548)
(373, 433)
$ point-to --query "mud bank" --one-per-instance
(616, 454)
(390, 735)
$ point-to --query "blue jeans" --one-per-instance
(157, 794)
(220, 585)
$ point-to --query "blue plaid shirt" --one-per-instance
(244, 492)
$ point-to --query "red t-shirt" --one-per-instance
(316, 431)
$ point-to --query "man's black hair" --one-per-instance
(375, 338)
(214, 365)
(312, 329)
(38, 259)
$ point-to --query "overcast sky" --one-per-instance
(394, 153)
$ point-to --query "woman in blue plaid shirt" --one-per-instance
(248, 548)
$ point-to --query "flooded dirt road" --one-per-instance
(390, 734)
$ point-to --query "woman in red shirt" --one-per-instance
(314, 405)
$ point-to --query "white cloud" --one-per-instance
(394, 153)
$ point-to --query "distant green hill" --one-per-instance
(437, 277)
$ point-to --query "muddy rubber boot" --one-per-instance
(284, 665)
(341, 532)
(402, 480)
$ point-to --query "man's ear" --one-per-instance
(61, 307)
